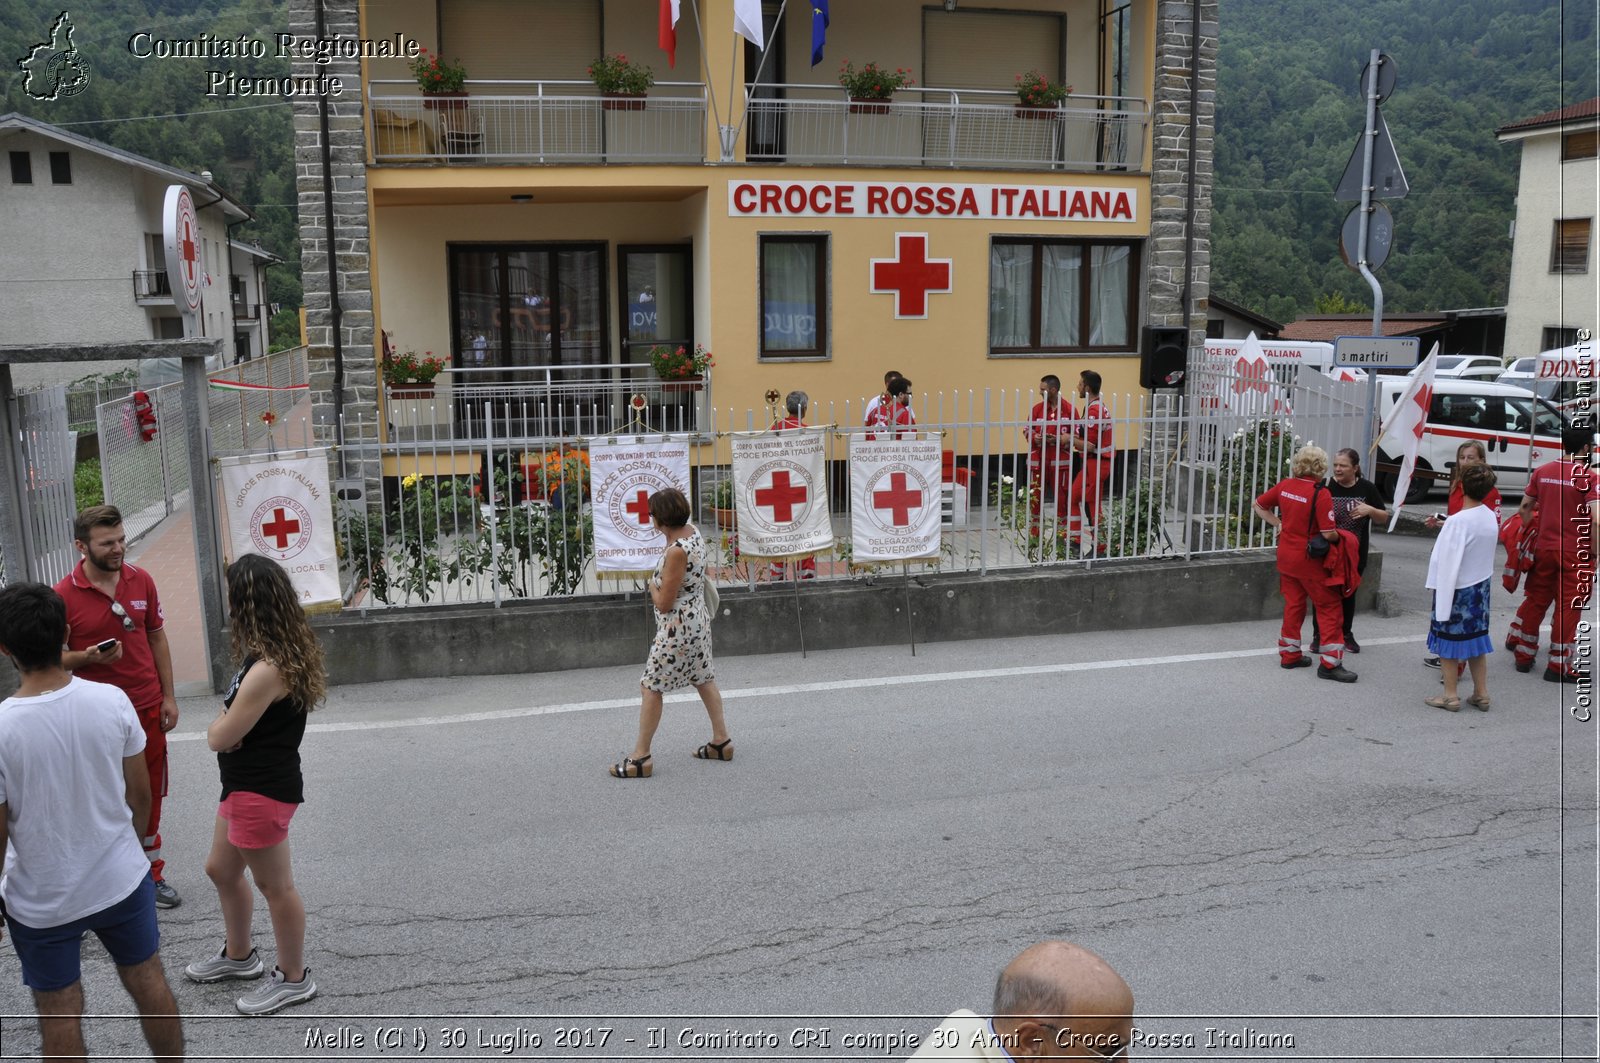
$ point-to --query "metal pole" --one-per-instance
(203, 509)
(1361, 238)
(14, 551)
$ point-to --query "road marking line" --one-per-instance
(809, 688)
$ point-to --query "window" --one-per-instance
(1569, 250)
(60, 168)
(1215, 327)
(1054, 296)
(1585, 145)
(1554, 337)
(794, 297)
(21, 168)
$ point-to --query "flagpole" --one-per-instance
(911, 631)
(766, 53)
(705, 63)
(799, 625)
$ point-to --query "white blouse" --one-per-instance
(1462, 556)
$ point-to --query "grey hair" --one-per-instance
(1023, 994)
(796, 402)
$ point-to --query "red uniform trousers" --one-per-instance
(1087, 491)
(1564, 583)
(155, 760)
(1298, 587)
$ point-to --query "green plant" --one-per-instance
(1130, 526)
(1034, 90)
(87, 484)
(722, 492)
(872, 82)
(1023, 519)
(1254, 458)
(406, 368)
(679, 363)
(614, 73)
(434, 74)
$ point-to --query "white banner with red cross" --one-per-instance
(781, 495)
(624, 474)
(279, 507)
(894, 499)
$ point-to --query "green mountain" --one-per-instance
(1290, 111)
(158, 107)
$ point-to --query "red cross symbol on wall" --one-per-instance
(782, 496)
(280, 527)
(899, 499)
(639, 508)
(911, 275)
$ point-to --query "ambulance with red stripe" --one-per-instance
(1520, 430)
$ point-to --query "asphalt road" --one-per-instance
(1254, 849)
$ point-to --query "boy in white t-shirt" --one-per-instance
(73, 783)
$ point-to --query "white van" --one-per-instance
(1284, 357)
(1497, 415)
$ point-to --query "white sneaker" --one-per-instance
(276, 994)
(219, 967)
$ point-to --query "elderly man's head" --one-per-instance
(1059, 999)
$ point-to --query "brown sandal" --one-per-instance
(1479, 702)
(1442, 702)
(633, 769)
(715, 750)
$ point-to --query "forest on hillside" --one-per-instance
(1290, 111)
(159, 109)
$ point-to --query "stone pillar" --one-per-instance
(349, 249)
(1169, 164)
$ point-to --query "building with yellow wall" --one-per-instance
(533, 227)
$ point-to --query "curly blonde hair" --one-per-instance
(266, 621)
(1310, 461)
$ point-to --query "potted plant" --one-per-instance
(622, 84)
(1038, 97)
(410, 377)
(564, 476)
(443, 83)
(679, 368)
(870, 87)
(722, 503)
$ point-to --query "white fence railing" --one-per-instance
(503, 513)
(147, 478)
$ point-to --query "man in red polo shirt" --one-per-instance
(110, 600)
(1049, 455)
(1091, 439)
(1568, 502)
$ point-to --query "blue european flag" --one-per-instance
(819, 29)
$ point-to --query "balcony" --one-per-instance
(151, 285)
(537, 123)
(564, 123)
(245, 311)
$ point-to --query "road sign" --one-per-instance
(1387, 72)
(1377, 352)
(1388, 179)
(1380, 237)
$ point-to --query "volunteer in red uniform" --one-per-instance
(1300, 507)
(896, 413)
(110, 600)
(1568, 501)
(1049, 452)
(795, 404)
(1091, 442)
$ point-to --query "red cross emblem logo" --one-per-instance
(628, 503)
(782, 496)
(1424, 401)
(911, 275)
(899, 499)
(280, 528)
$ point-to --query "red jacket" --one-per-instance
(1342, 563)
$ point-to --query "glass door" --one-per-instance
(657, 309)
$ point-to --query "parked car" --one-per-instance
(1522, 372)
(1519, 430)
(1468, 367)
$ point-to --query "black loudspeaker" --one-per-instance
(1163, 356)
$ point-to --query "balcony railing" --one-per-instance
(151, 284)
(244, 311)
(974, 128)
(537, 122)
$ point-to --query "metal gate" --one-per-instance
(47, 459)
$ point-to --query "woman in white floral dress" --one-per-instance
(680, 656)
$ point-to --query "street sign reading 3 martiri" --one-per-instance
(1377, 352)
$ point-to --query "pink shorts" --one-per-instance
(254, 821)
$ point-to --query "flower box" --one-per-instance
(1037, 114)
(682, 385)
(445, 101)
(868, 105)
(411, 391)
(622, 101)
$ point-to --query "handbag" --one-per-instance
(713, 599)
(1316, 546)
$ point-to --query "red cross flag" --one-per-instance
(1403, 427)
(624, 474)
(1254, 390)
(894, 499)
(781, 494)
(279, 507)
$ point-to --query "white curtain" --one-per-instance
(1108, 312)
(1010, 295)
(789, 286)
(1059, 294)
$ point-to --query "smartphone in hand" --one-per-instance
(107, 646)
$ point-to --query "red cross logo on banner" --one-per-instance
(281, 527)
(1424, 400)
(899, 499)
(781, 497)
(639, 508)
(911, 275)
(190, 254)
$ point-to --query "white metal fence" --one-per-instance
(502, 513)
(147, 479)
(47, 463)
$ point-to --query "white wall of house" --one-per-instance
(1550, 189)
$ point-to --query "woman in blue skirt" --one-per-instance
(1458, 574)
